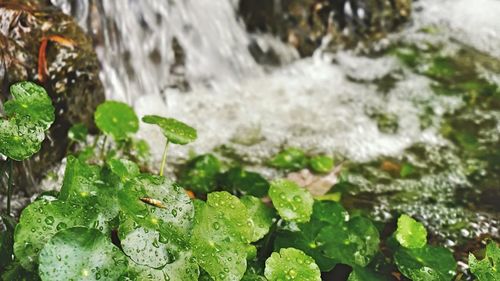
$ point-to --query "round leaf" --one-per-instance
(356, 243)
(174, 130)
(30, 113)
(31, 103)
(410, 233)
(116, 119)
(292, 202)
(291, 264)
(321, 164)
(289, 159)
(260, 214)
(221, 235)
(426, 263)
(488, 268)
(40, 221)
(157, 203)
(81, 253)
(123, 168)
(200, 174)
(183, 268)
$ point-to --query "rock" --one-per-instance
(305, 24)
(31, 33)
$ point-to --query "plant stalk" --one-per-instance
(164, 160)
(10, 184)
(103, 146)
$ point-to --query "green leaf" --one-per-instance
(15, 272)
(426, 264)
(183, 268)
(78, 132)
(289, 159)
(261, 216)
(172, 214)
(410, 233)
(80, 253)
(29, 114)
(40, 221)
(356, 243)
(31, 103)
(123, 168)
(80, 180)
(306, 238)
(291, 264)
(174, 130)
(292, 202)
(237, 180)
(321, 164)
(200, 174)
(220, 236)
(116, 119)
(363, 274)
(488, 268)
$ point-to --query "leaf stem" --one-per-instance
(164, 160)
(10, 184)
(103, 146)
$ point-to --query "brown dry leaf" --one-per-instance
(316, 184)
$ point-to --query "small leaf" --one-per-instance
(237, 180)
(221, 235)
(78, 132)
(261, 216)
(364, 274)
(80, 180)
(356, 243)
(426, 263)
(291, 264)
(174, 130)
(292, 202)
(40, 221)
(123, 168)
(200, 174)
(289, 159)
(321, 164)
(488, 268)
(80, 253)
(410, 233)
(29, 114)
(116, 119)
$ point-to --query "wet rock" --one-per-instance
(309, 24)
(41, 44)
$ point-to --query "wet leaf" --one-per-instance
(237, 180)
(325, 213)
(80, 253)
(410, 233)
(174, 130)
(364, 274)
(291, 264)
(116, 119)
(321, 164)
(175, 220)
(261, 216)
(355, 243)
(200, 174)
(183, 268)
(221, 235)
(29, 114)
(488, 268)
(123, 168)
(289, 159)
(80, 180)
(292, 202)
(78, 132)
(426, 263)
(40, 221)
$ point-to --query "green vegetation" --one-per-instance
(113, 220)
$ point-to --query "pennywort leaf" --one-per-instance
(289, 159)
(291, 264)
(292, 202)
(116, 119)
(174, 130)
(488, 268)
(410, 233)
(426, 263)
(261, 216)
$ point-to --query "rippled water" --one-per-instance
(367, 109)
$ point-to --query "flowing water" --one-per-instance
(428, 100)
